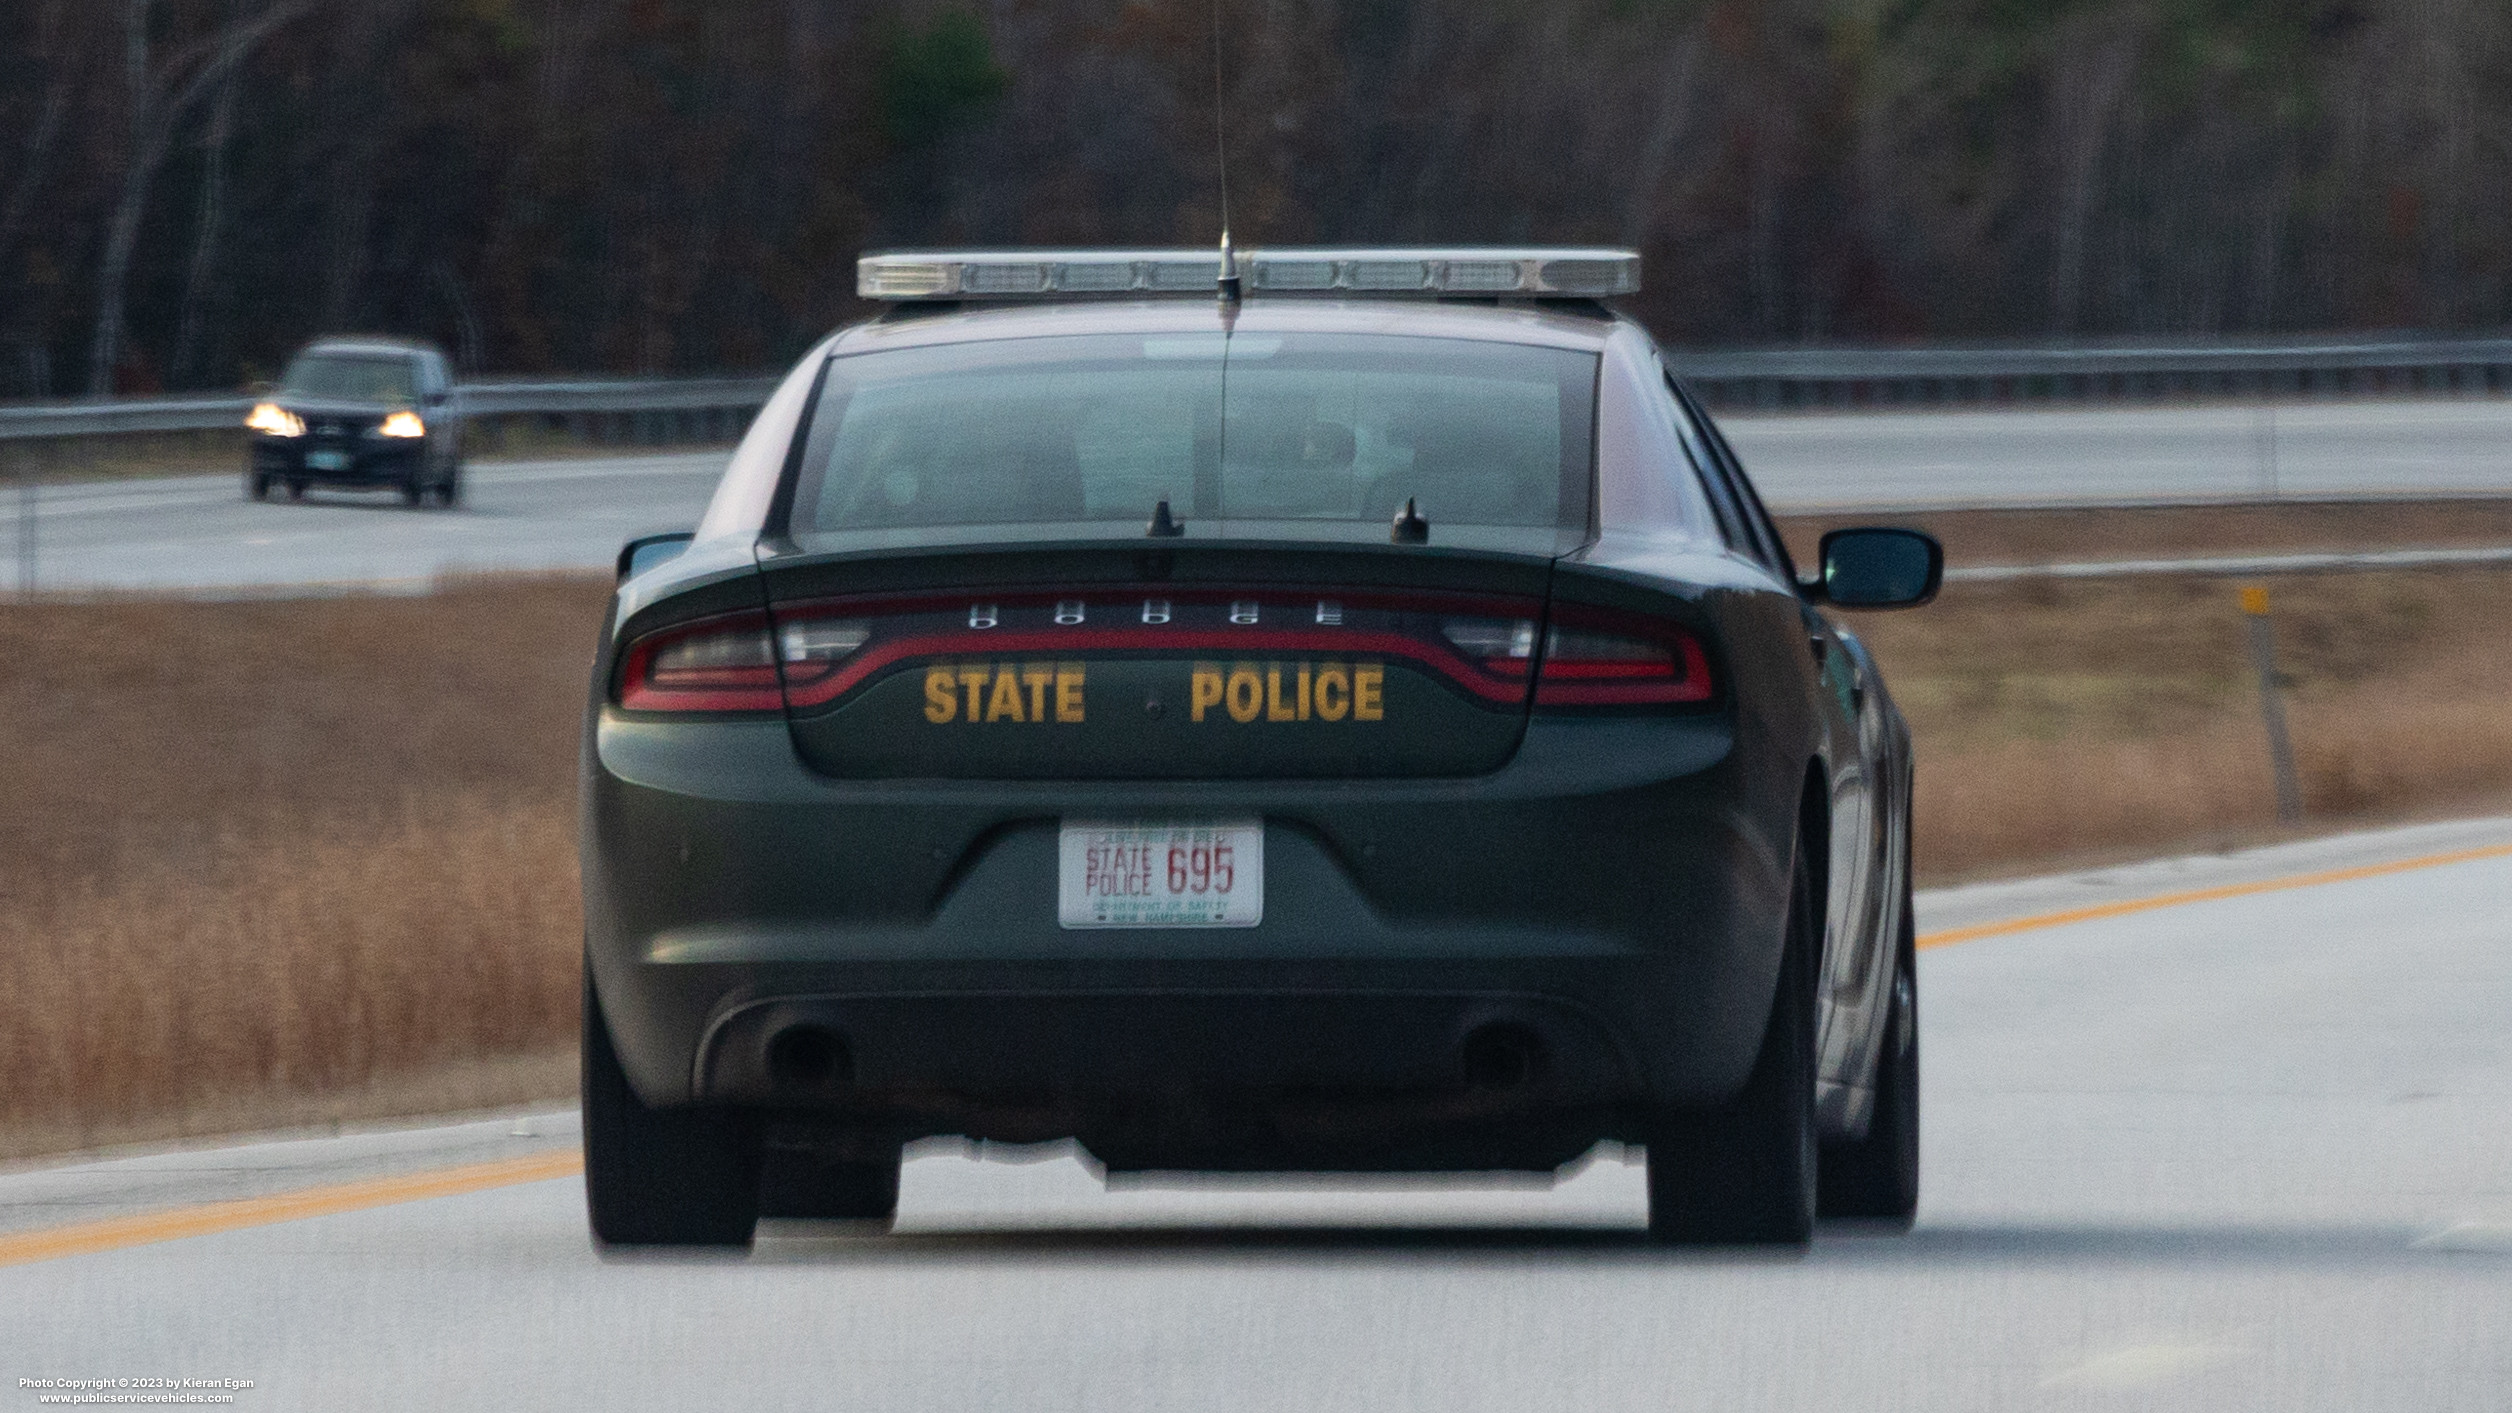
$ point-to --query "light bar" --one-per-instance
(1519, 270)
(1031, 274)
(1538, 271)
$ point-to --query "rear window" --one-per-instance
(354, 377)
(1280, 427)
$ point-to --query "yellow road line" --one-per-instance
(113, 1234)
(2098, 911)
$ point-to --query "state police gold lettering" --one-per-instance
(976, 692)
(1276, 691)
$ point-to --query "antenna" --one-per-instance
(1229, 286)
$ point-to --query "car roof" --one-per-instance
(1570, 324)
(368, 345)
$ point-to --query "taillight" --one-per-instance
(718, 664)
(1587, 668)
(1585, 665)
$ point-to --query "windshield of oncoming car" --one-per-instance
(1311, 427)
(354, 377)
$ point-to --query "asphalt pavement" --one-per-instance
(198, 533)
(2224, 1133)
(2098, 455)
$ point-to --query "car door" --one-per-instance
(1859, 729)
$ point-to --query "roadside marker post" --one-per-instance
(2289, 788)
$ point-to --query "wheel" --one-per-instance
(296, 488)
(1876, 1178)
(449, 490)
(1744, 1173)
(832, 1182)
(413, 489)
(660, 1177)
(256, 486)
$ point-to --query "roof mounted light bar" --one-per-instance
(1525, 271)
(1555, 272)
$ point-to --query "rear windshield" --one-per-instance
(355, 377)
(1280, 427)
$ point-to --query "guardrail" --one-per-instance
(675, 409)
(1775, 379)
(1778, 379)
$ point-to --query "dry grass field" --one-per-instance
(2091, 720)
(2084, 721)
(286, 862)
(279, 863)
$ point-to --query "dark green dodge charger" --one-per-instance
(1353, 715)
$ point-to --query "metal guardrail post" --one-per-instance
(2289, 787)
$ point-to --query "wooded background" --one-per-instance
(188, 188)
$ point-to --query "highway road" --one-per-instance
(198, 533)
(2086, 456)
(2221, 1134)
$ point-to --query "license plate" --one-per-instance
(327, 461)
(1114, 874)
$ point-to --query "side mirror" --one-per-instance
(646, 551)
(1878, 568)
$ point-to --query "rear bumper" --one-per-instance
(1594, 928)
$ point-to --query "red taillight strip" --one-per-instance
(1234, 643)
(1622, 682)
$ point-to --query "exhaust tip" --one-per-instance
(1502, 1056)
(808, 1057)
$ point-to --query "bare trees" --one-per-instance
(191, 185)
(2091, 63)
(159, 96)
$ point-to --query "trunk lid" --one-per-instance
(1114, 662)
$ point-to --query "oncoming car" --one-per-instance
(1361, 722)
(362, 413)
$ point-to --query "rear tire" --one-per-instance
(661, 1177)
(1876, 1178)
(296, 489)
(449, 490)
(413, 490)
(1743, 1174)
(256, 486)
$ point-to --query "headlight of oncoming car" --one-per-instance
(402, 424)
(272, 420)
